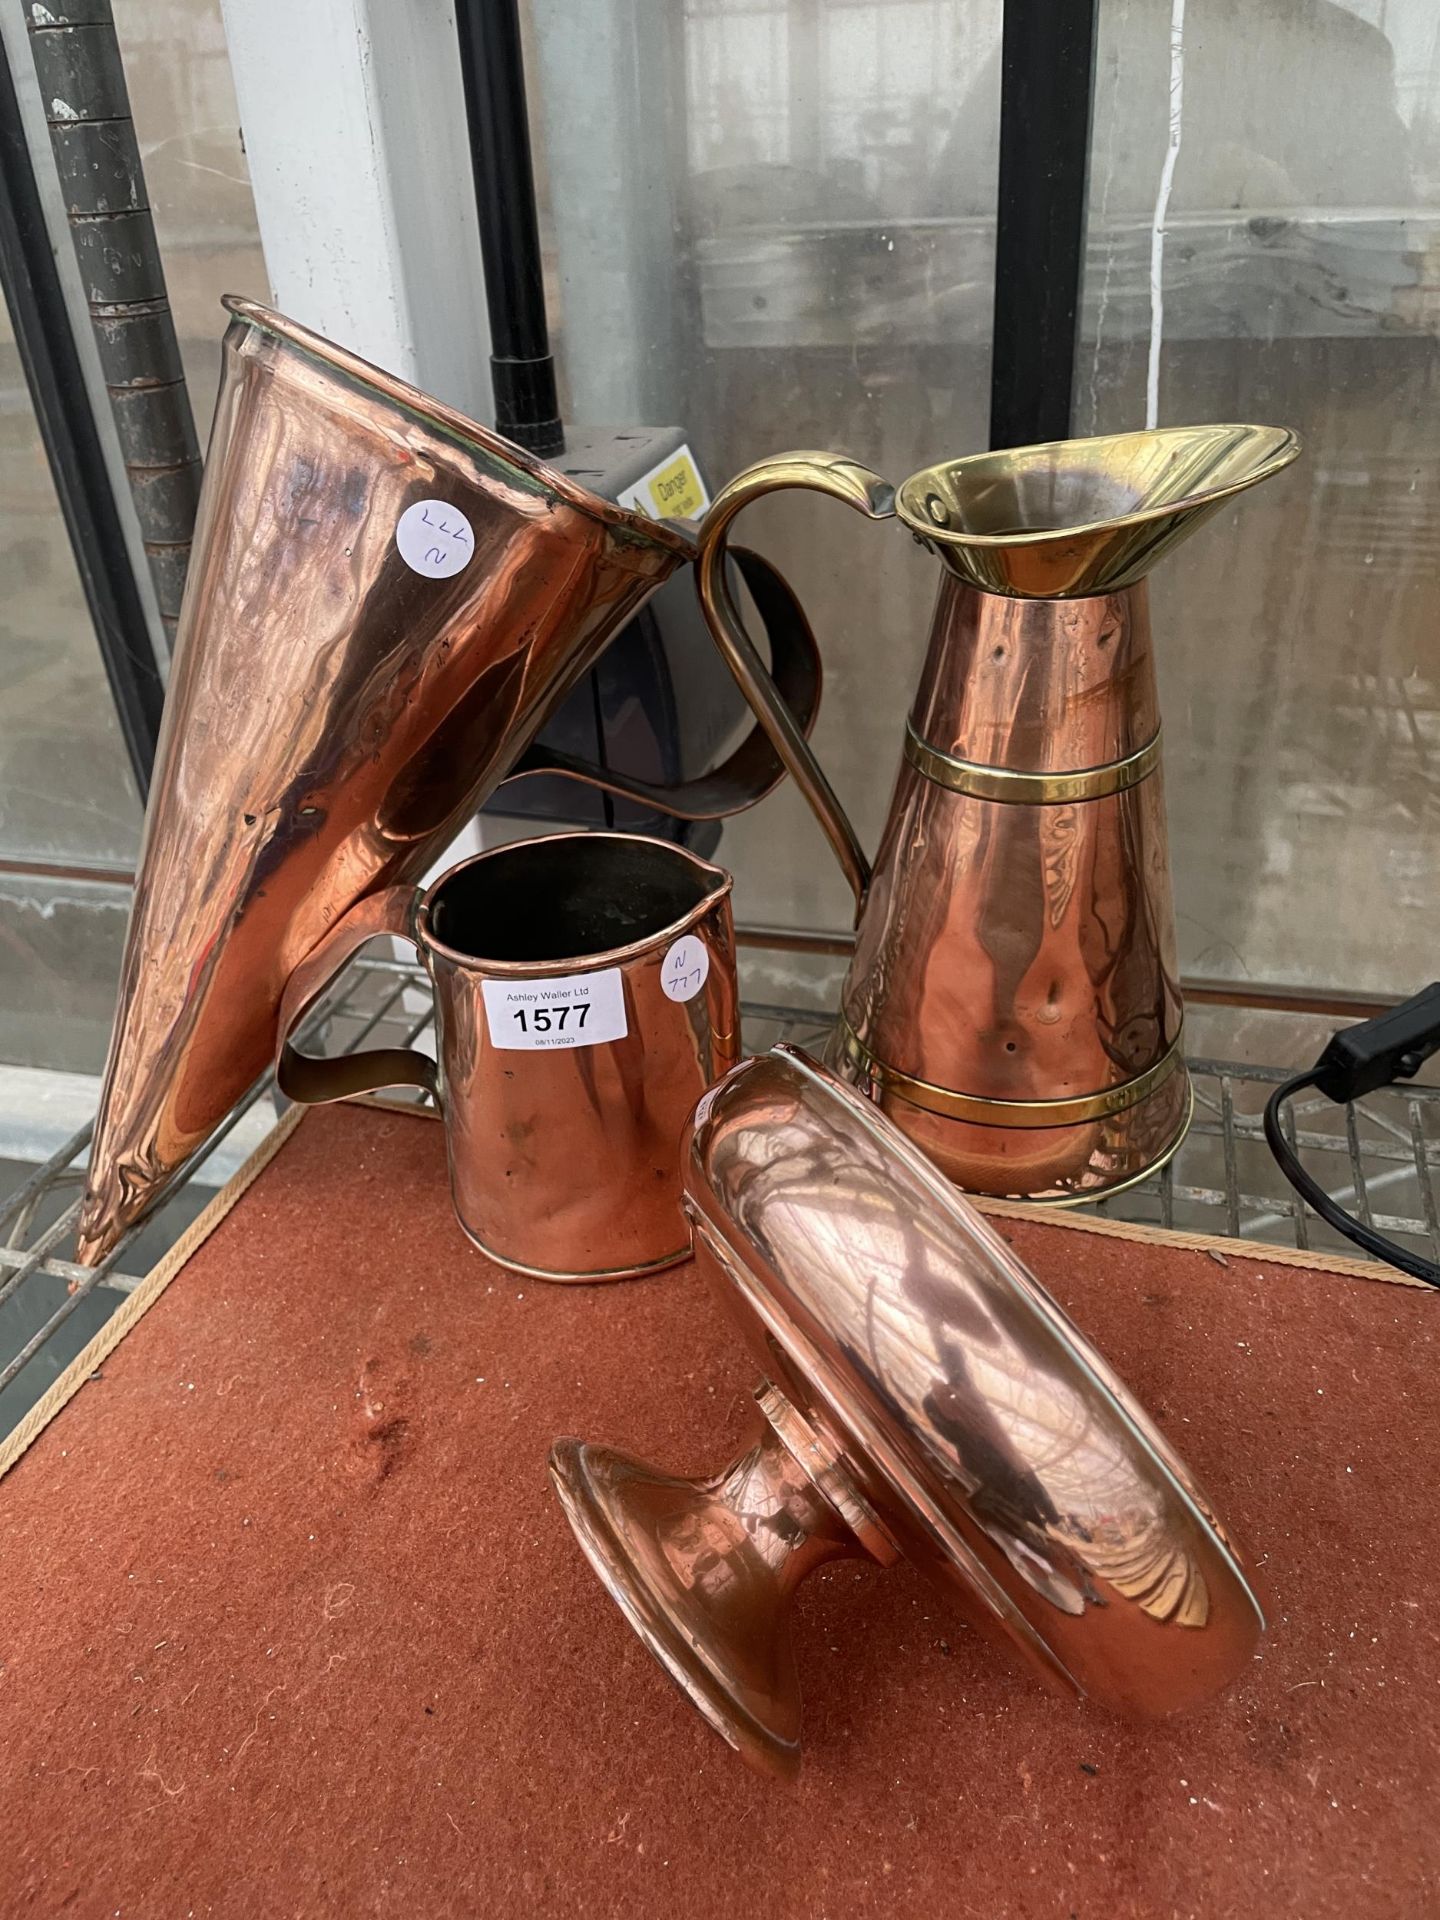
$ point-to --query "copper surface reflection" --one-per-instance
(334, 712)
(1027, 951)
(942, 1405)
(563, 1150)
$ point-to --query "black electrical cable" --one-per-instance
(1394, 1046)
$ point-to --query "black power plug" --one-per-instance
(1392, 1046)
(1357, 1060)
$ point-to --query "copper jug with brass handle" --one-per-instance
(1013, 1001)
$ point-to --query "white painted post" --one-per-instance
(354, 126)
(354, 122)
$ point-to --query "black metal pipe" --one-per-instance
(1047, 71)
(97, 158)
(56, 380)
(522, 371)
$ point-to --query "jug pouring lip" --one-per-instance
(1281, 444)
(455, 425)
(1092, 514)
(713, 883)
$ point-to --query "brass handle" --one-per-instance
(867, 493)
(311, 1081)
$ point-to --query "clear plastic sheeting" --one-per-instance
(66, 790)
(68, 803)
(786, 185)
(1298, 281)
(807, 196)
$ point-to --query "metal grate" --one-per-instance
(1379, 1157)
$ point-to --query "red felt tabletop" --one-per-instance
(291, 1624)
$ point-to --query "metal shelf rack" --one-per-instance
(1379, 1156)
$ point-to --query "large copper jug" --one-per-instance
(1012, 1002)
(385, 603)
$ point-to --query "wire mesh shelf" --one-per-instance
(1377, 1157)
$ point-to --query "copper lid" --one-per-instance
(926, 1397)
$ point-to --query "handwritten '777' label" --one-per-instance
(541, 1016)
(434, 539)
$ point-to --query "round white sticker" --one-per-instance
(434, 539)
(685, 967)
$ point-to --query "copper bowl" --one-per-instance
(923, 1397)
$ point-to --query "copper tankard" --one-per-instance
(1013, 1002)
(585, 998)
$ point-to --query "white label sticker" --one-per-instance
(684, 969)
(536, 1016)
(434, 539)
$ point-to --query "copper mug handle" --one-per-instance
(304, 1076)
(867, 493)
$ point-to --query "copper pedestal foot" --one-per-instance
(704, 1570)
(929, 1399)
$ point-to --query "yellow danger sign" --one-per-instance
(671, 491)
